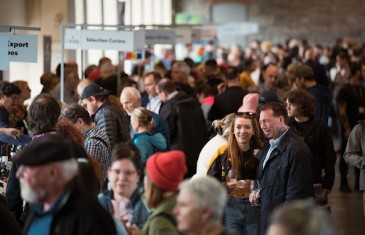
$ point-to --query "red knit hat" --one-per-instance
(167, 170)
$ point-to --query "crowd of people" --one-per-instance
(238, 144)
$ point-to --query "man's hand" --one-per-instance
(13, 132)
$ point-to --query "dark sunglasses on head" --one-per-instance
(249, 114)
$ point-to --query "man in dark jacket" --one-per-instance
(106, 114)
(8, 96)
(185, 122)
(47, 174)
(231, 99)
(8, 224)
(285, 163)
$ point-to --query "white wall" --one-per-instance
(46, 14)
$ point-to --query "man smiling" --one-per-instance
(285, 163)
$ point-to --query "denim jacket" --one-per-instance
(138, 200)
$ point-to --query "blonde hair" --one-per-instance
(144, 117)
(222, 126)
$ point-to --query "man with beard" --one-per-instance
(48, 175)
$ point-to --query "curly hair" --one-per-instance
(303, 100)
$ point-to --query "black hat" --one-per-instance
(93, 90)
(267, 97)
(44, 150)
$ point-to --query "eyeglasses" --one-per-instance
(249, 114)
(127, 173)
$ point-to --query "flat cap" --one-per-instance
(44, 150)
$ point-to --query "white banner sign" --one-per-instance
(23, 48)
(183, 35)
(160, 36)
(239, 28)
(72, 39)
(4, 58)
(104, 39)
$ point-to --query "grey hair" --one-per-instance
(303, 217)
(69, 168)
(133, 91)
(184, 67)
(207, 192)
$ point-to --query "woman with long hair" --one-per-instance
(236, 165)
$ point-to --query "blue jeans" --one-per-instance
(242, 217)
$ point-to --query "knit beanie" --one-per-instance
(166, 170)
(249, 103)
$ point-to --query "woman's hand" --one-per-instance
(133, 230)
(254, 198)
(231, 184)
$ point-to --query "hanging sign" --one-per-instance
(183, 35)
(4, 58)
(160, 36)
(238, 28)
(204, 33)
(133, 55)
(72, 39)
(23, 48)
(104, 39)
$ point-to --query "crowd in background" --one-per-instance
(253, 127)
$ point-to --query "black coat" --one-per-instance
(287, 175)
(227, 102)
(187, 127)
(319, 140)
(8, 224)
(82, 214)
(112, 120)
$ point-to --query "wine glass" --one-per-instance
(126, 212)
(232, 177)
(255, 188)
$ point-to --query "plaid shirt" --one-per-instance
(99, 150)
